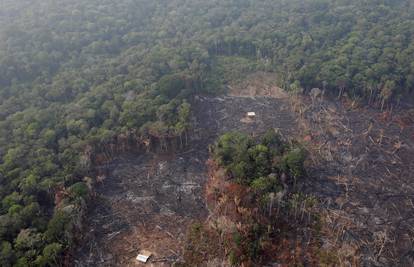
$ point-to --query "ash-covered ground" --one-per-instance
(148, 200)
(363, 173)
(361, 168)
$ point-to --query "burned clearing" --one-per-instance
(148, 200)
(215, 116)
(361, 169)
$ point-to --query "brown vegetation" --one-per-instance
(236, 221)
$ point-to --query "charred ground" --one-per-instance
(360, 169)
(148, 200)
(367, 157)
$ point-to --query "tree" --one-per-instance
(387, 92)
(50, 255)
(171, 85)
(7, 255)
(260, 158)
(28, 239)
(79, 190)
(273, 141)
(131, 67)
(59, 227)
(183, 124)
(293, 162)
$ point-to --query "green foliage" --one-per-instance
(231, 147)
(79, 190)
(50, 255)
(231, 152)
(184, 112)
(6, 254)
(260, 160)
(28, 239)
(273, 140)
(171, 85)
(12, 199)
(59, 227)
(83, 75)
(292, 162)
(258, 164)
(227, 69)
(22, 262)
(266, 184)
(269, 169)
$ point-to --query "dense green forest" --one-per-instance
(251, 163)
(79, 73)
